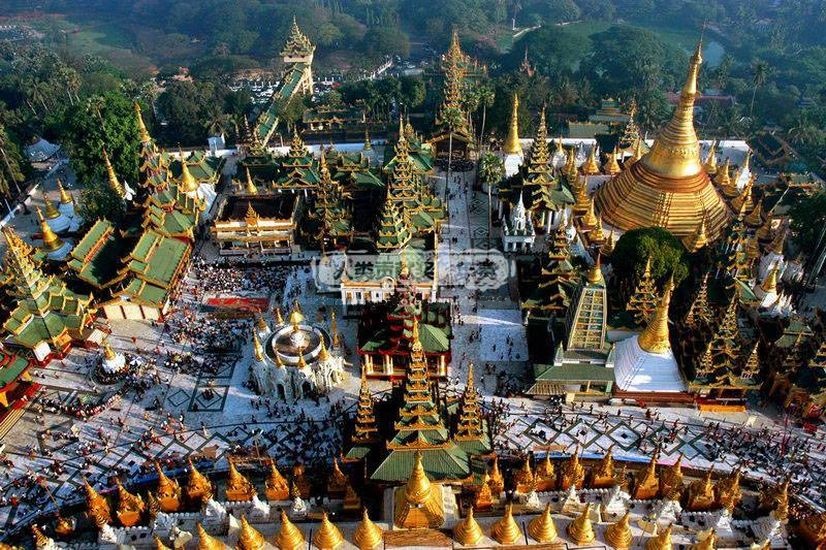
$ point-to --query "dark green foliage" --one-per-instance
(808, 218)
(667, 253)
(99, 201)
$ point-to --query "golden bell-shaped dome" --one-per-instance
(580, 530)
(467, 532)
(611, 166)
(168, 491)
(97, 507)
(755, 217)
(654, 337)
(506, 531)
(660, 542)
(249, 186)
(591, 167)
(710, 164)
(367, 535)
(524, 478)
(249, 538)
(590, 218)
(289, 536)
(542, 528)
(188, 184)
(417, 489)
(130, 507)
(51, 241)
(497, 481)
(618, 534)
(207, 541)
(328, 536)
(65, 197)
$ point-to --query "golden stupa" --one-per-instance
(289, 537)
(159, 545)
(661, 541)
(328, 536)
(249, 538)
(542, 528)
(506, 531)
(198, 486)
(619, 534)
(668, 187)
(467, 532)
(367, 535)
(207, 541)
(580, 530)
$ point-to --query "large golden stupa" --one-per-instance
(668, 187)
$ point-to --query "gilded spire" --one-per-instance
(65, 197)
(276, 484)
(328, 536)
(97, 506)
(497, 481)
(40, 538)
(198, 486)
(142, 131)
(618, 534)
(506, 531)
(467, 532)
(710, 165)
(114, 184)
(660, 542)
(289, 536)
(257, 348)
(512, 145)
(698, 239)
(580, 530)
(51, 241)
(676, 151)
(188, 183)
(755, 217)
(249, 538)
(367, 535)
(708, 543)
(654, 337)
(637, 153)
(590, 218)
(207, 541)
(130, 507)
(612, 167)
(238, 486)
(542, 528)
(595, 273)
(769, 284)
(778, 242)
(249, 186)
(168, 491)
(591, 166)
(417, 489)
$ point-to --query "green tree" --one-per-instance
(759, 74)
(491, 169)
(808, 216)
(98, 200)
(668, 255)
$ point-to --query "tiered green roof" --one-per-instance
(96, 259)
(173, 212)
(644, 299)
(158, 259)
(551, 297)
(329, 205)
(11, 367)
(46, 311)
(471, 430)
(394, 232)
(298, 44)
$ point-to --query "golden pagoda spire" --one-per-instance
(676, 151)
(249, 186)
(744, 201)
(590, 218)
(710, 164)
(279, 319)
(497, 481)
(512, 146)
(367, 535)
(698, 239)
(595, 273)
(168, 491)
(778, 242)
(251, 217)
(467, 532)
(51, 211)
(591, 165)
(708, 543)
(65, 196)
(97, 507)
(51, 241)
(542, 528)
(142, 131)
(198, 486)
(238, 486)
(417, 490)
(524, 478)
(662, 541)
(159, 545)
(276, 484)
(580, 530)
(328, 536)
(40, 538)
(755, 217)
(618, 534)
(188, 183)
(130, 507)
(764, 233)
(723, 180)
(769, 284)
(637, 153)
(257, 348)
(612, 167)
(506, 531)
(289, 536)
(249, 538)
(114, 183)
(323, 354)
(207, 541)
(654, 337)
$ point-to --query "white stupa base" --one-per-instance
(61, 253)
(512, 163)
(114, 365)
(637, 370)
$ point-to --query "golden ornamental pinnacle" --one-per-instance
(698, 239)
(257, 348)
(249, 538)
(618, 534)
(591, 165)
(40, 539)
(497, 481)
(506, 531)
(289, 536)
(580, 530)
(367, 535)
(710, 164)
(142, 131)
(65, 197)
(467, 532)
(512, 145)
(51, 241)
(168, 491)
(276, 485)
(198, 486)
(130, 507)
(660, 542)
(590, 218)
(114, 184)
(188, 183)
(418, 486)
(542, 528)
(238, 487)
(654, 337)
(328, 536)
(207, 541)
(769, 285)
(595, 273)
(249, 187)
(612, 167)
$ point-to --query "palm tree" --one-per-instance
(759, 73)
(452, 118)
(486, 97)
(491, 171)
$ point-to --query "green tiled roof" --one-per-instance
(447, 463)
(574, 372)
(157, 258)
(11, 370)
(141, 292)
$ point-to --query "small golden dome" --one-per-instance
(467, 532)
(296, 317)
(595, 273)
(542, 528)
(418, 485)
(289, 536)
(367, 535)
(65, 197)
(654, 338)
(769, 285)
(708, 543)
(328, 536)
(198, 485)
(591, 166)
(108, 352)
(661, 542)
(188, 183)
(589, 219)
(207, 541)
(249, 538)
(250, 187)
(618, 534)
(580, 530)
(506, 531)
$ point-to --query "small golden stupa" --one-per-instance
(580, 530)
(618, 534)
(97, 507)
(497, 481)
(130, 507)
(419, 502)
(249, 538)
(239, 488)
(542, 528)
(337, 482)
(328, 536)
(159, 545)
(506, 531)
(289, 536)
(709, 542)
(198, 486)
(276, 486)
(367, 535)
(467, 532)
(668, 187)
(168, 492)
(660, 542)
(524, 478)
(207, 541)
